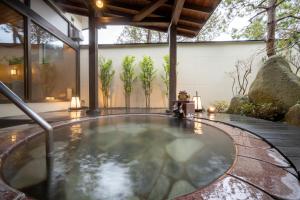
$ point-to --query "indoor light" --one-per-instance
(50, 98)
(211, 109)
(99, 3)
(13, 72)
(75, 103)
(198, 103)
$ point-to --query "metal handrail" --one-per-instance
(35, 117)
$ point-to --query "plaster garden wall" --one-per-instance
(202, 67)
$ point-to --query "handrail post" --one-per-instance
(38, 119)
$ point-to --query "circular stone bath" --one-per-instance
(122, 157)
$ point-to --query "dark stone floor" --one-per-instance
(283, 137)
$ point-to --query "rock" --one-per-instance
(181, 187)
(34, 172)
(205, 168)
(182, 149)
(275, 83)
(173, 169)
(160, 189)
(40, 151)
(236, 103)
(293, 115)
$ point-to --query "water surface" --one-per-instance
(132, 157)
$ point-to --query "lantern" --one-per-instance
(75, 103)
(198, 103)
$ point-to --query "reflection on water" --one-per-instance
(198, 128)
(133, 157)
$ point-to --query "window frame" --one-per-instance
(29, 17)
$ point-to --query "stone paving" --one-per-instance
(283, 137)
(264, 168)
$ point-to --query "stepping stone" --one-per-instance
(230, 188)
(179, 188)
(182, 149)
(268, 155)
(269, 178)
(160, 189)
(32, 173)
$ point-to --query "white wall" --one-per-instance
(201, 67)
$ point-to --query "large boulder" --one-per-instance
(275, 83)
(293, 115)
(236, 103)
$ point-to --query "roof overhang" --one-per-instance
(188, 15)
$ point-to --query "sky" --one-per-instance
(111, 33)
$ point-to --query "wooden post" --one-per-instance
(173, 63)
(93, 63)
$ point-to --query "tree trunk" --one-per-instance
(127, 101)
(271, 28)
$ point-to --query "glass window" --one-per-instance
(53, 67)
(11, 50)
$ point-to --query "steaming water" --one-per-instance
(129, 157)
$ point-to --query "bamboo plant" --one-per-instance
(106, 76)
(147, 75)
(165, 77)
(128, 77)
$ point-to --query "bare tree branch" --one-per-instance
(250, 20)
(288, 16)
(280, 3)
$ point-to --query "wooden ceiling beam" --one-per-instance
(124, 8)
(128, 21)
(148, 10)
(177, 11)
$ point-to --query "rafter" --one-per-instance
(148, 10)
(177, 11)
(159, 22)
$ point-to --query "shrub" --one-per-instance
(221, 106)
(266, 111)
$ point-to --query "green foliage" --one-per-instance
(165, 76)
(221, 106)
(255, 31)
(13, 60)
(266, 111)
(106, 74)
(287, 20)
(128, 77)
(146, 76)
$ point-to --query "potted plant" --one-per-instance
(128, 77)
(106, 76)
(147, 75)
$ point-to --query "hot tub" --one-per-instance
(122, 157)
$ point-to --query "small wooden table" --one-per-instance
(187, 106)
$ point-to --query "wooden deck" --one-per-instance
(281, 136)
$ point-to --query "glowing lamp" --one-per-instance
(75, 103)
(99, 3)
(13, 72)
(198, 103)
(50, 98)
(211, 109)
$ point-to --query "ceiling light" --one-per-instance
(99, 3)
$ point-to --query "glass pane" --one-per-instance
(53, 67)
(11, 50)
